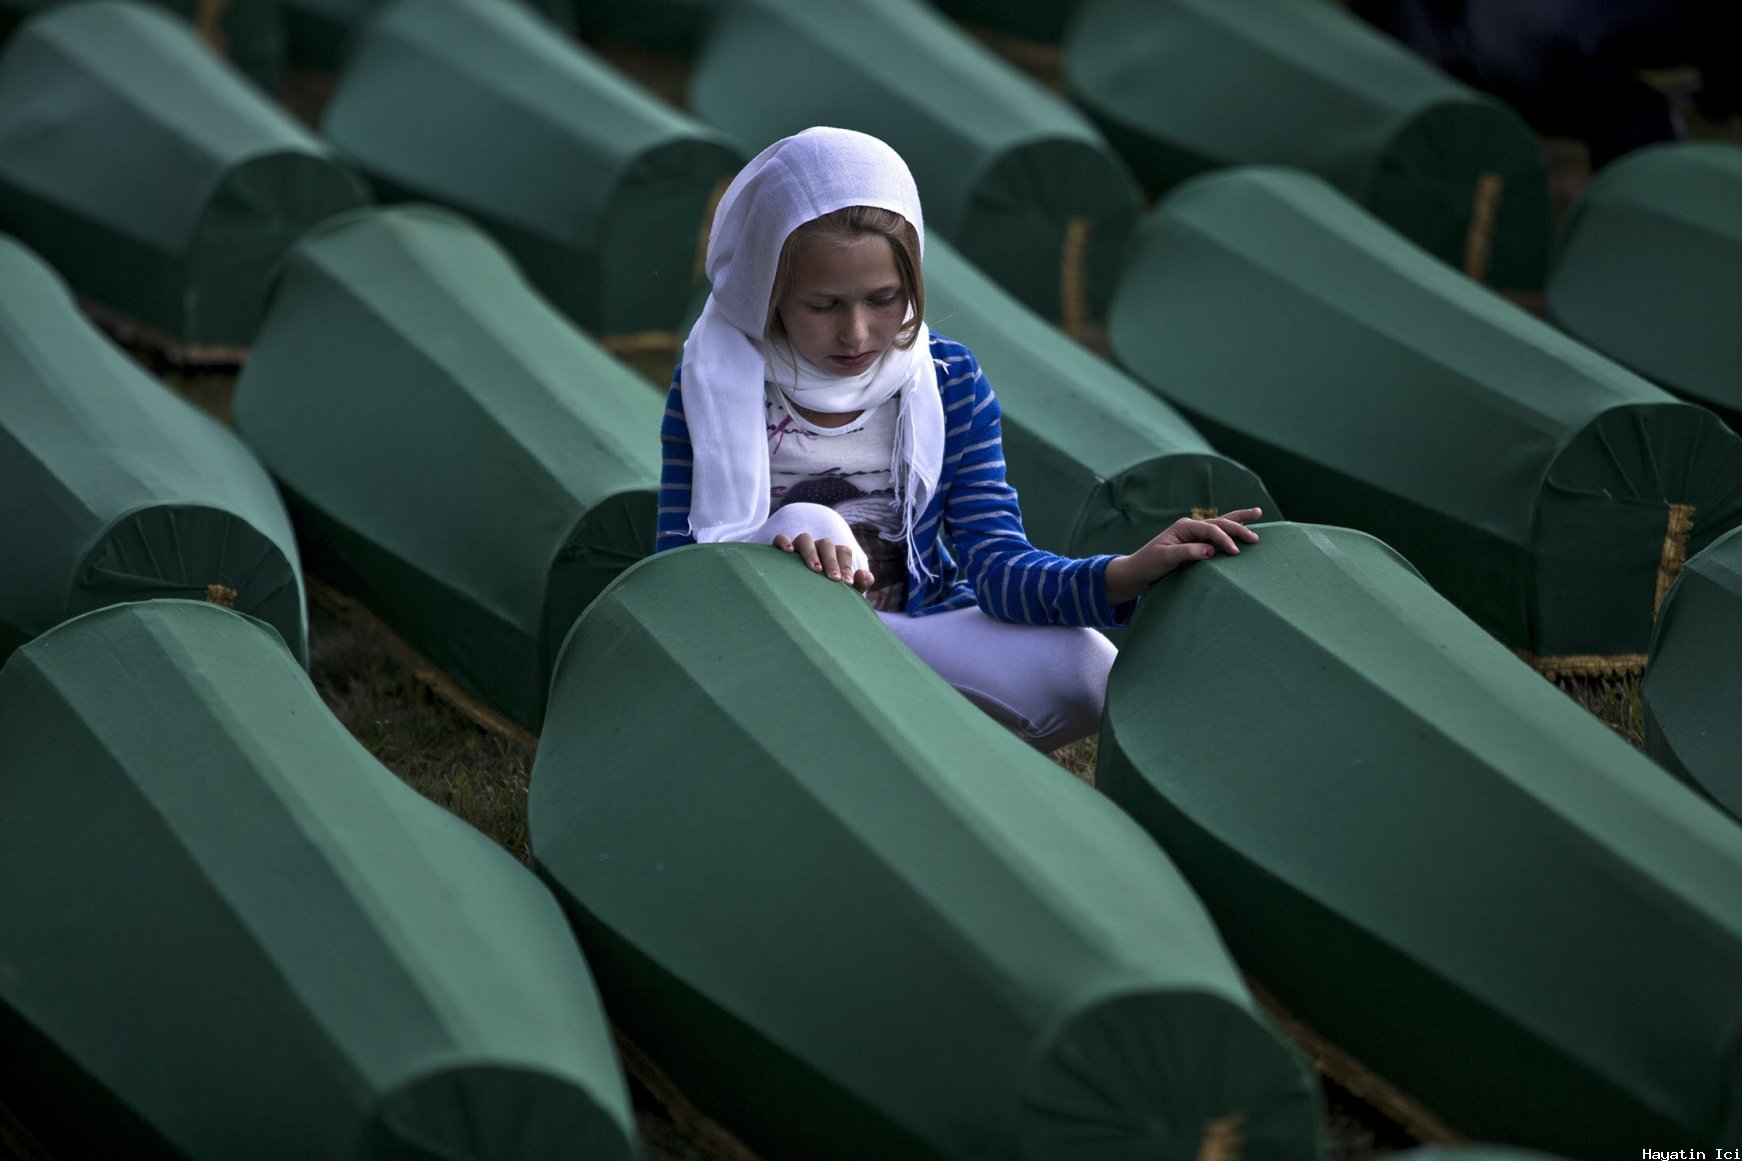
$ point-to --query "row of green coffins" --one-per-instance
(1431, 856)
(477, 470)
(112, 488)
(1041, 201)
(931, 943)
(982, 994)
(1649, 269)
(599, 190)
(167, 189)
(1689, 694)
(1542, 488)
(227, 931)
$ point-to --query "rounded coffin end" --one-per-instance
(1146, 498)
(1049, 221)
(194, 553)
(1168, 1075)
(251, 219)
(1468, 182)
(499, 1112)
(1638, 490)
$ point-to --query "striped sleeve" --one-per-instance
(676, 471)
(1011, 578)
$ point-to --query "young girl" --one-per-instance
(814, 411)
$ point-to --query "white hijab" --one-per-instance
(726, 361)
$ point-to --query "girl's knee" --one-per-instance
(821, 521)
(1078, 694)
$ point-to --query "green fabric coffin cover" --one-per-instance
(599, 190)
(248, 33)
(229, 932)
(455, 452)
(1181, 86)
(1649, 269)
(1693, 686)
(114, 489)
(1539, 486)
(844, 909)
(318, 32)
(156, 179)
(1101, 463)
(1431, 855)
(1008, 171)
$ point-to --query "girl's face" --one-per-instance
(844, 305)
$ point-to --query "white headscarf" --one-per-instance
(726, 361)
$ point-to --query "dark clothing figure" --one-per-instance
(1571, 67)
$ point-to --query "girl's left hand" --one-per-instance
(1185, 540)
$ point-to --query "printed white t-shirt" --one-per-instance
(845, 468)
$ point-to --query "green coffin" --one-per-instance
(1694, 682)
(247, 33)
(1009, 172)
(113, 489)
(1182, 86)
(1432, 856)
(1101, 463)
(229, 932)
(454, 451)
(844, 909)
(600, 191)
(1649, 270)
(156, 179)
(1542, 488)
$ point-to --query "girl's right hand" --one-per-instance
(834, 561)
(1185, 540)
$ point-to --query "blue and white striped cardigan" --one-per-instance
(974, 509)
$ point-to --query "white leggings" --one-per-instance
(1045, 683)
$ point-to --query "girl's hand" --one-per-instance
(825, 556)
(1184, 541)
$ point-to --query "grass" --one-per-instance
(1613, 700)
(479, 774)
